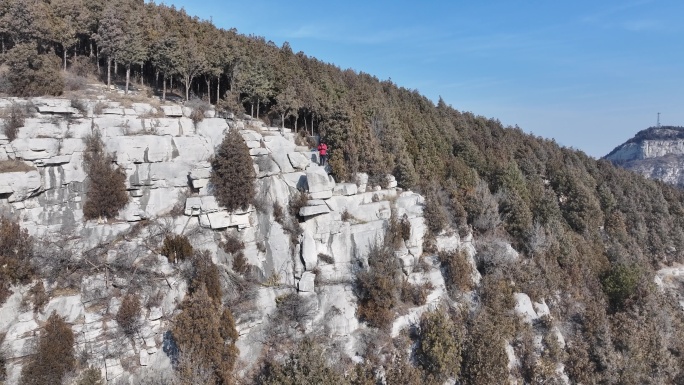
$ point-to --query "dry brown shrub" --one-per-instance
(16, 252)
(14, 165)
(278, 213)
(14, 118)
(457, 271)
(240, 264)
(377, 289)
(106, 189)
(38, 296)
(232, 244)
(205, 274)
(414, 294)
(176, 248)
(54, 356)
(205, 337)
(128, 316)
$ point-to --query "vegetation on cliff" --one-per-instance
(590, 235)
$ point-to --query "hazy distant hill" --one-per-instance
(656, 152)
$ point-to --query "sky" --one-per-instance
(589, 74)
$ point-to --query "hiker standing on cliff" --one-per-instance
(322, 153)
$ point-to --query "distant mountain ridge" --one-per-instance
(656, 152)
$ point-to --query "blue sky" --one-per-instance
(589, 74)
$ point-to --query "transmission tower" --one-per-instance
(658, 124)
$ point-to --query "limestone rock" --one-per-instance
(308, 211)
(172, 111)
(309, 253)
(345, 189)
(318, 180)
(19, 185)
(298, 160)
(524, 308)
(306, 283)
(223, 219)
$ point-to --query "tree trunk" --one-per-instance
(296, 121)
(116, 67)
(128, 77)
(282, 122)
(91, 49)
(187, 88)
(164, 88)
(109, 72)
(97, 60)
(218, 89)
(142, 75)
(209, 89)
(258, 103)
(65, 57)
(305, 128)
(251, 112)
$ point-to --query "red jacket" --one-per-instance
(322, 149)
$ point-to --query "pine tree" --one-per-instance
(106, 188)
(54, 357)
(233, 173)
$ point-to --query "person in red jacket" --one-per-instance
(322, 153)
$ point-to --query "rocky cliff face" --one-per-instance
(656, 153)
(165, 155)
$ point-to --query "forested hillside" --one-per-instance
(591, 236)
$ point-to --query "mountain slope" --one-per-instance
(656, 153)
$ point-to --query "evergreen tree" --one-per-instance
(232, 173)
(54, 357)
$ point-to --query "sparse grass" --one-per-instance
(14, 165)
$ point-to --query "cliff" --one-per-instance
(165, 154)
(656, 153)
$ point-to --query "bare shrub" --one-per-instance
(298, 201)
(14, 118)
(414, 294)
(80, 105)
(73, 82)
(232, 173)
(106, 189)
(278, 213)
(205, 274)
(54, 357)
(128, 316)
(38, 296)
(90, 376)
(232, 244)
(176, 248)
(240, 264)
(292, 307)
(98, 108)
(199, 107)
